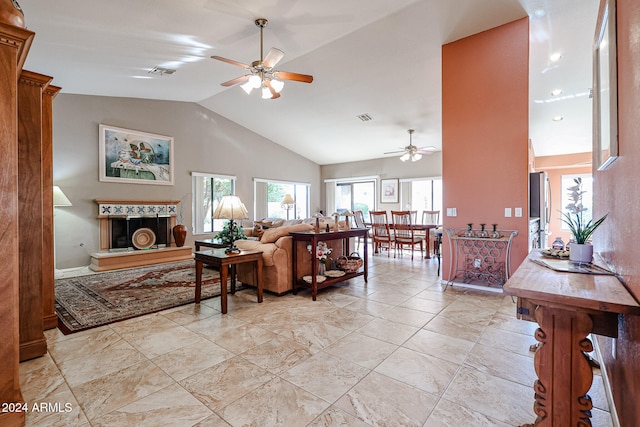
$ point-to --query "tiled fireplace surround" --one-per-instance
(158, 215)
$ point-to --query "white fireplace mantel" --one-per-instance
(108, 209)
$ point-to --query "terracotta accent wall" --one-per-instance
(617, 191)
(485, 124)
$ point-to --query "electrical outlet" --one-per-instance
(507, 212)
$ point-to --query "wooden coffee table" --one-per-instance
(223, 261)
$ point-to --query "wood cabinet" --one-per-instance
(14, 45)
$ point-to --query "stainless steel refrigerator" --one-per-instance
(540, 205)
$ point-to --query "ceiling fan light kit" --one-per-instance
(262, 71)
(411, 152)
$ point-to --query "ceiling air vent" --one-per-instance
(161, 70)
(365, 117)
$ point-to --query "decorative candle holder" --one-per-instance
(469, 232)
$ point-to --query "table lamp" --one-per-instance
(347, 213)
(231, 208)
(287, 203)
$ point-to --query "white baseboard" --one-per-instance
(471, 286)
(607, 385)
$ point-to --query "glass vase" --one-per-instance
(322, 268)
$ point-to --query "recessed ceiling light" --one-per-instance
(558, 118)
(556, 92)
(555, 57)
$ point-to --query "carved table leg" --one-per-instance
(563, 369)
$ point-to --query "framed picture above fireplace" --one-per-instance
(131, 156)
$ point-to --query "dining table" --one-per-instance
(418, 227)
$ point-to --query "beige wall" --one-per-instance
(617, 192)
(204, 142)
(430, 166)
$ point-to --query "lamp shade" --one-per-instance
(230, 207)
(59, 198)
(287, 200)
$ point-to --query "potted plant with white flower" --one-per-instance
(322, 253)
(580, 250)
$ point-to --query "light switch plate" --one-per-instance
(507, 212)
(518, 212)
(452, 212)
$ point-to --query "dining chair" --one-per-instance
(431, 218)
(382, 235)
(358, 219)
(437, 245)
(404, 233)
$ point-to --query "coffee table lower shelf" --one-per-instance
(330, 281)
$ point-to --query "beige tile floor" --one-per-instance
(398, 351)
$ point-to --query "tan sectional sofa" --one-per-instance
(276, 247)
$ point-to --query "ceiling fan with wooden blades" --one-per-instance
(411, 152)
(262, 73)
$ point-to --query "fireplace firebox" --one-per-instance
(139, 232)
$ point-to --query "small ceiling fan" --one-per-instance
(411, 152)
(262, 73)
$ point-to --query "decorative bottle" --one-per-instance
(558, 244)
(469, 232)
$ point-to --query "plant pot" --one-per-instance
(581, 252)
(180, 234)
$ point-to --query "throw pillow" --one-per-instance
(273, 234)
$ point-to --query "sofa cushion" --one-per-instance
(254, 245)
(273, 234)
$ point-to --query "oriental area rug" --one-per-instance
(86, 302)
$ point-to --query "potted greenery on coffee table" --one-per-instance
(225, 234)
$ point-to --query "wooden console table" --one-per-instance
(567, 307)
(313, 238)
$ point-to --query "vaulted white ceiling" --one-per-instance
(378, 57)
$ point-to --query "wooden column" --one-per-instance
(14, 45)
(30, 226)
(49, 318)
